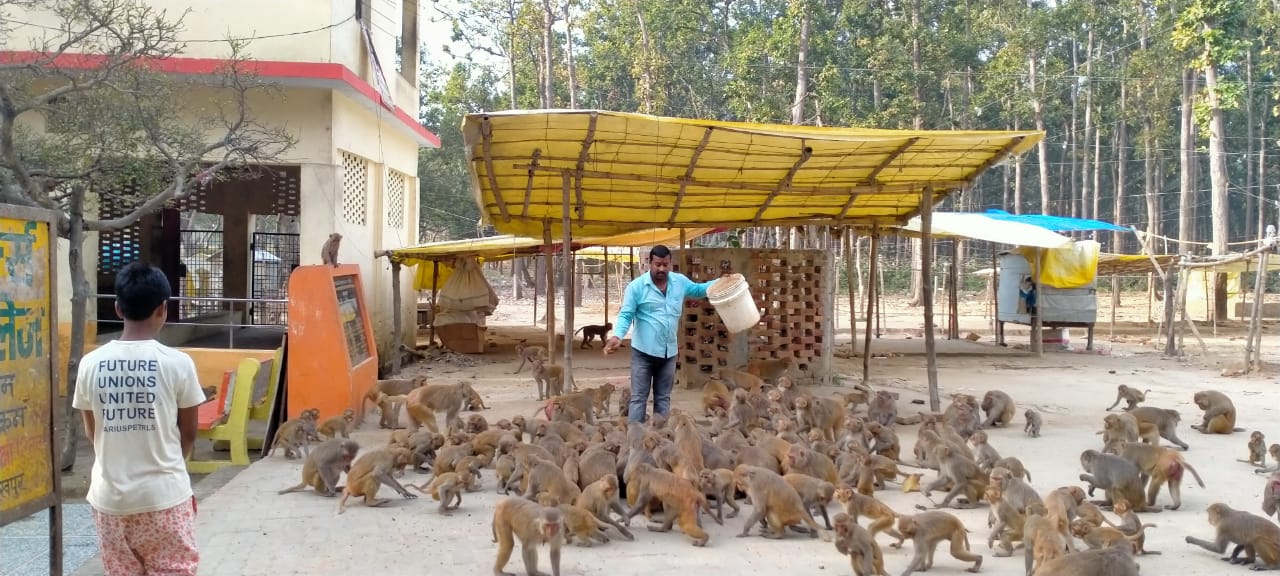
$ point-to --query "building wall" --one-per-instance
(281, 30)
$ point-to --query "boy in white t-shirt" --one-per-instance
(139, 400)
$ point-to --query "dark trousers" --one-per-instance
(650, 372)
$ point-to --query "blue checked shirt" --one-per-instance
(656, 316)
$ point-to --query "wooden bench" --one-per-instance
(229, 419)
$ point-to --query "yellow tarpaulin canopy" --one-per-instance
(1121, 264)
(498, 248)
(624, 171)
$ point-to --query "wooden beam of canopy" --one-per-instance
(636, 171)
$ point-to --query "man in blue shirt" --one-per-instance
(654, 302)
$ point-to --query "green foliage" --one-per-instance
(737, 60)
(447, 209)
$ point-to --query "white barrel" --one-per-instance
(731, 295)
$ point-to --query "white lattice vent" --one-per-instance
(395, 200)
(355, 189)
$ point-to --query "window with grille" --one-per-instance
(395, 199)
(355, 189)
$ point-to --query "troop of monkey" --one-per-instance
(579, 475)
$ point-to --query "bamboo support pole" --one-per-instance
(397, 324)
(566, 246)
(435, 289)
(551, 288)
(926, 269)
(872, 295)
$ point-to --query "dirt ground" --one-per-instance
(1070, 388)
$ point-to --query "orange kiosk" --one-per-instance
(332, 358)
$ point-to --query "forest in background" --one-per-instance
(1159, 114)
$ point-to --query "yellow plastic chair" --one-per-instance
(261, 412)
(234, 430)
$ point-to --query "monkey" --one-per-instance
(372, 470)
(1120, 428)
(815, 493)
(805, 461)
(475, 424)
(854, 540)
(580, 526)
(1130, 525)
(338, 425)
(1006, 522)
(324, 465)
(742, 414)
(548, 377)
(739, 379)
(329, 252)
(965, 420)
(1257, 537)
(447, 489)
(718, 483)
(1257, 450)
(600, 498)
(963, 475)
(885, 441)
(473, 401)
(1093, 515)
(579, 405)
(999, 408)
(1219, 413)
(1274, 451)
(424, 445)
(425, 402)
(1042, 537)
(949, 435)
(1013, 490)
(1034, 422)
(1060, 505)
(882, 516)
(545, 475)
(1099, 537)
(295, 435)
(1118, 477)
(1271, 496)
(926, 529)
(715, 394)
(775, 501)
(681, 501)
(597, 461)
(592, 331)
(1165, 421)
(1162, 466)
(771, 370)
(689, 445)
(504, 467)
(883, 408)
(390, 410)
(600, 397)
(1116, 560)
(570, 467)
(825, 414)
(984, 455)
(535, 525)
(448, 457)
(1130, 395)
(528, 353)
(624, 402)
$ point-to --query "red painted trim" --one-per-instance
(271, 69)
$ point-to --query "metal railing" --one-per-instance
(231, 307)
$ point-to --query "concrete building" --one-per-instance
(348, 91)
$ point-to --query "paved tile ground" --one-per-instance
(247, 529)
(24, 545)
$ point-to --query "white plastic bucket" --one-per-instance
(731, 295)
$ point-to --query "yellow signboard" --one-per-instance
(28, 376)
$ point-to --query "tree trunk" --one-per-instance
(568, 57)
(918, 282)
(1186, 175)
(1148, 178)
(1017, 178)
(646, 71)
(1220, 210)
(1042, 148)
(1122, 144)
(511, 53)
(1073, 139)
(802, 70)
(548, 51)
(1251, 232)
(79, 316)
(1088, 128)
